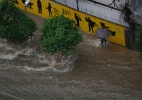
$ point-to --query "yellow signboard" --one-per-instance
(87, 23)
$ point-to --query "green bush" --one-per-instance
(139, 42)
(15, 26)
(60, 35)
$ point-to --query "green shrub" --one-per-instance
(15, 26)
(60, 35)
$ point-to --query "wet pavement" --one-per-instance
(107, 72)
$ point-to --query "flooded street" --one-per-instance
(108, 72)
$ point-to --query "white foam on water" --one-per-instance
(63, 66)
(9, 56)
(15, 54)
(41, 56)
(10, 53)
(27, 51)
(1, 45)
(28, 68)
(96, 42)
(2, 41)
(8, 66)
(41, 69)
(5, 45)
(51, 59)
(63, 70)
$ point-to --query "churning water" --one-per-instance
(28, 59)
(94, 72)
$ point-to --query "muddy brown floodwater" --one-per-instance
(108, 72)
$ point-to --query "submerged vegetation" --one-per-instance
(60, 35)
(15, 25)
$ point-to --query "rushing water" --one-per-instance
(94, 72)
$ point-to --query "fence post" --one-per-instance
(77, 5)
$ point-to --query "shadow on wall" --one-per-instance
(91, 24)
(49, 9)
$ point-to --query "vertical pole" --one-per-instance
(128, 38)
(128, 1)
(77, 5)
(133, 29)
(24, 7)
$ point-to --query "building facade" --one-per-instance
(88, 14)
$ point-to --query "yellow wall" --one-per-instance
(58, 9)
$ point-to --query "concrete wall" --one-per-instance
(109, 10)
(42, 9)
